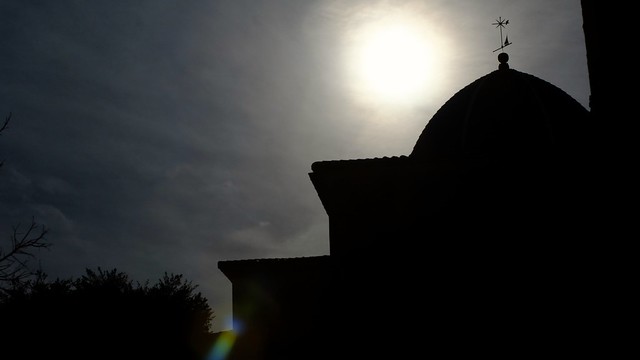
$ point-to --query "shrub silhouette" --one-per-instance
(104, 314)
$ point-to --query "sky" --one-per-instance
(157, 136)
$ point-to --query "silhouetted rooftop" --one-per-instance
(355, 163)
(505, 112)
(246, 266)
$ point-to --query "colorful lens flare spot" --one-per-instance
(222, 346)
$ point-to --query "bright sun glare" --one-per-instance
(394, 60)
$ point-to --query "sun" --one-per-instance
(393, 60)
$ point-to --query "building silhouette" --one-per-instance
(483, 240)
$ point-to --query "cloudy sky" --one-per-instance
(159, 136)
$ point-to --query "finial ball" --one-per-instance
(503, 57)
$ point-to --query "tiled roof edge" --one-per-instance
(272, 260)
(319, 165)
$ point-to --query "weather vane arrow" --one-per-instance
(501, 23)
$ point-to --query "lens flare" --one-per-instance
(223, 346)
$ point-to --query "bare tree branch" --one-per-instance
(6, 123)
(4, 126)
(14, 263)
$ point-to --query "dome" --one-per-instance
(506, 113)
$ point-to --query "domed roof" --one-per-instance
(506, 113)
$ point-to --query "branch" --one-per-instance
(14, 263)
(3, 128)
(6, 123)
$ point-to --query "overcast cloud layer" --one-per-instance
(158, 135)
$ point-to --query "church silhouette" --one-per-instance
(480, 241)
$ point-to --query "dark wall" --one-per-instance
(283, 309)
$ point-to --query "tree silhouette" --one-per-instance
(14, 262)
(104, 314)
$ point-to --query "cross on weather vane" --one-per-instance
(500, 23)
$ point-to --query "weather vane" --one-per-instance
(500, 23)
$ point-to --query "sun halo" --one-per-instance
(393, 61)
